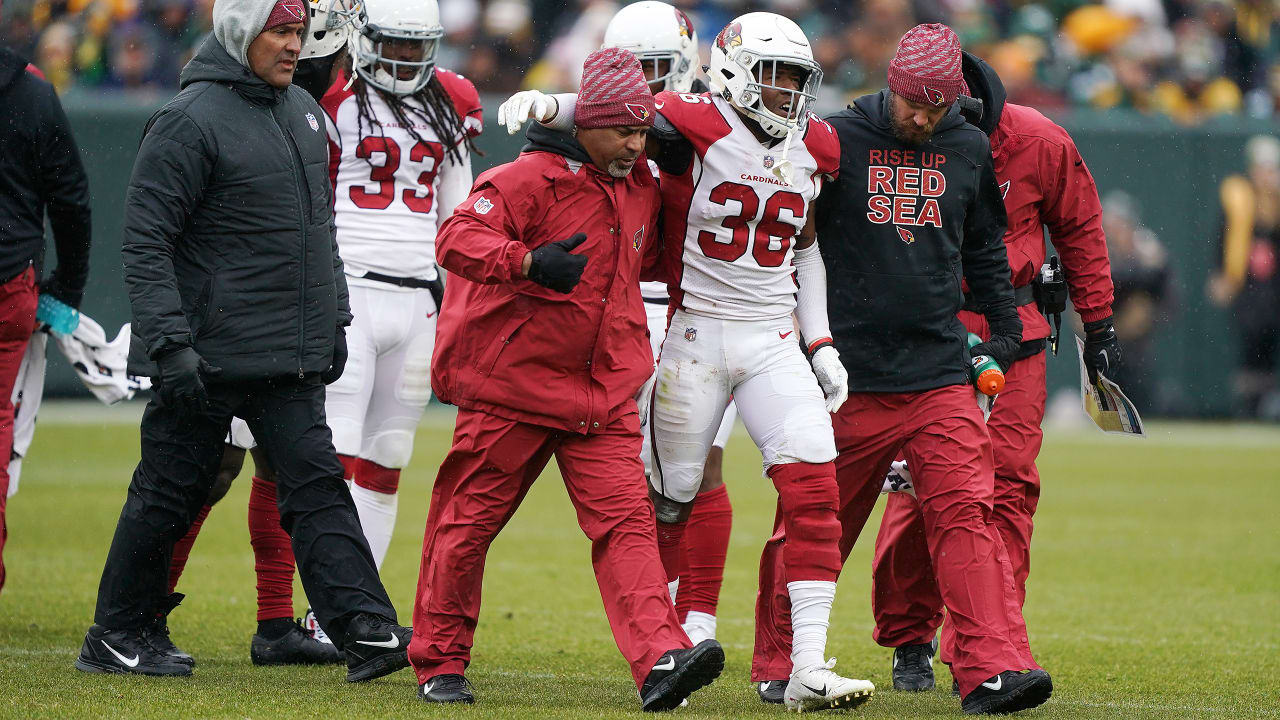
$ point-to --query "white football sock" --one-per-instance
(377, 518)
(810, 615)
(700, 626)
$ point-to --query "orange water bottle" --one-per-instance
(986, 373)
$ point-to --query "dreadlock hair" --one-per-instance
(436, 110)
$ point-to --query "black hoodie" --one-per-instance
(40, 171)
(899, 229)
(228, 243)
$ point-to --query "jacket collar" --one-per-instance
(543, 139)
(213, 63)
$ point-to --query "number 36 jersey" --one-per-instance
(728, 222)
(391, 189)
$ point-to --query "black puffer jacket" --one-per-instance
(228, 241)
(899, 229)
(40, 171)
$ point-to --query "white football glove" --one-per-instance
(524, 105)
(898, 479)
(831, 375)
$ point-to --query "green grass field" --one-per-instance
(1155, 592)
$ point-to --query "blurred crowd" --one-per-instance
(1188, 59)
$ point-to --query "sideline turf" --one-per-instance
(1154, 594)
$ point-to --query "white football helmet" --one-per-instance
(657, 31)
(744, 57)
(331, 25)
(394, 23)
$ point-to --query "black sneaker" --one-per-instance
(125, 651)
(772, 691)
(375, 647)
(447, 688)
(913, 667)
(157, 633)
(1009, 692)
(678, 673)
(295, 647)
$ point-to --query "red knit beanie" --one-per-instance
(285, 12)
(926, 68)
(614, 91)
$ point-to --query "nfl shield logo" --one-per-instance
(311, 120)
(768, 162)
(691, 334)
(483, 205)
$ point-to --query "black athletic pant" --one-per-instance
(180, 457)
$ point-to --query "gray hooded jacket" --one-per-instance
(228, 243)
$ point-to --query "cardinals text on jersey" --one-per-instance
(730, 219)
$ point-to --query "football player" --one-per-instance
(740, 166)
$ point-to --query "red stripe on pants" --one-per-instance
(487, 473)
(941, 434)
(17, 321)
(272, 553)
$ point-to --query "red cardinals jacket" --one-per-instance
(509, 347)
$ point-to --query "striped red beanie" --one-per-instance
(926, 68)
(285, 12)
(614, 91)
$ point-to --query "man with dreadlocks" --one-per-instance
(401, 139)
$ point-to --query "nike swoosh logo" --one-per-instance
(999, 683)
(431, 314)
(785, 334)
(394, 642)
(668, 664)
(427, 688)
(131, 662)
(816, 691)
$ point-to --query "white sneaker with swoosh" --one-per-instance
(818, 687)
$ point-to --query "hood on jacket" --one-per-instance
(542, 139)
(876, 108)
(985, 85)
(11, 67)
(212, 63)
(237, 22)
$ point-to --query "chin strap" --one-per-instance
(783, 169)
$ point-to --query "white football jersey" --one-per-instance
(391, 189)
(732, 221)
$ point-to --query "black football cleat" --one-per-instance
(375, 647)
(447, 688)
(125, 651)
(913, 667)
(157, 633)
(678, 673)
(295, 647)
(1009, 692)
(772, 691)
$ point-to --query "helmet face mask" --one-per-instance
(746, 59)
(395, 51)
(331, 24)
(656, 33)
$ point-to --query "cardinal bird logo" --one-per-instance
(905, 234)
(638, 111)
(638, 239)
(934, 96)
(295, 9)
(730, 36)
(686, 27)
(1004, 189)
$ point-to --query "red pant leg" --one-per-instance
(17, 322)
(904, 592)
(1014, 427)
(483, 479)
(867, 430)
(605, 479)
(949, 454)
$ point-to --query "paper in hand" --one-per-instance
(1105, 403)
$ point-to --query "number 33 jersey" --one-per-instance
(391, 189)
(729, 223)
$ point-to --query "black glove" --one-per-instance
(334, 372)
(1101, 348)
(1001, 348)
(553, 265)
(54, 287)
(180, 382)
